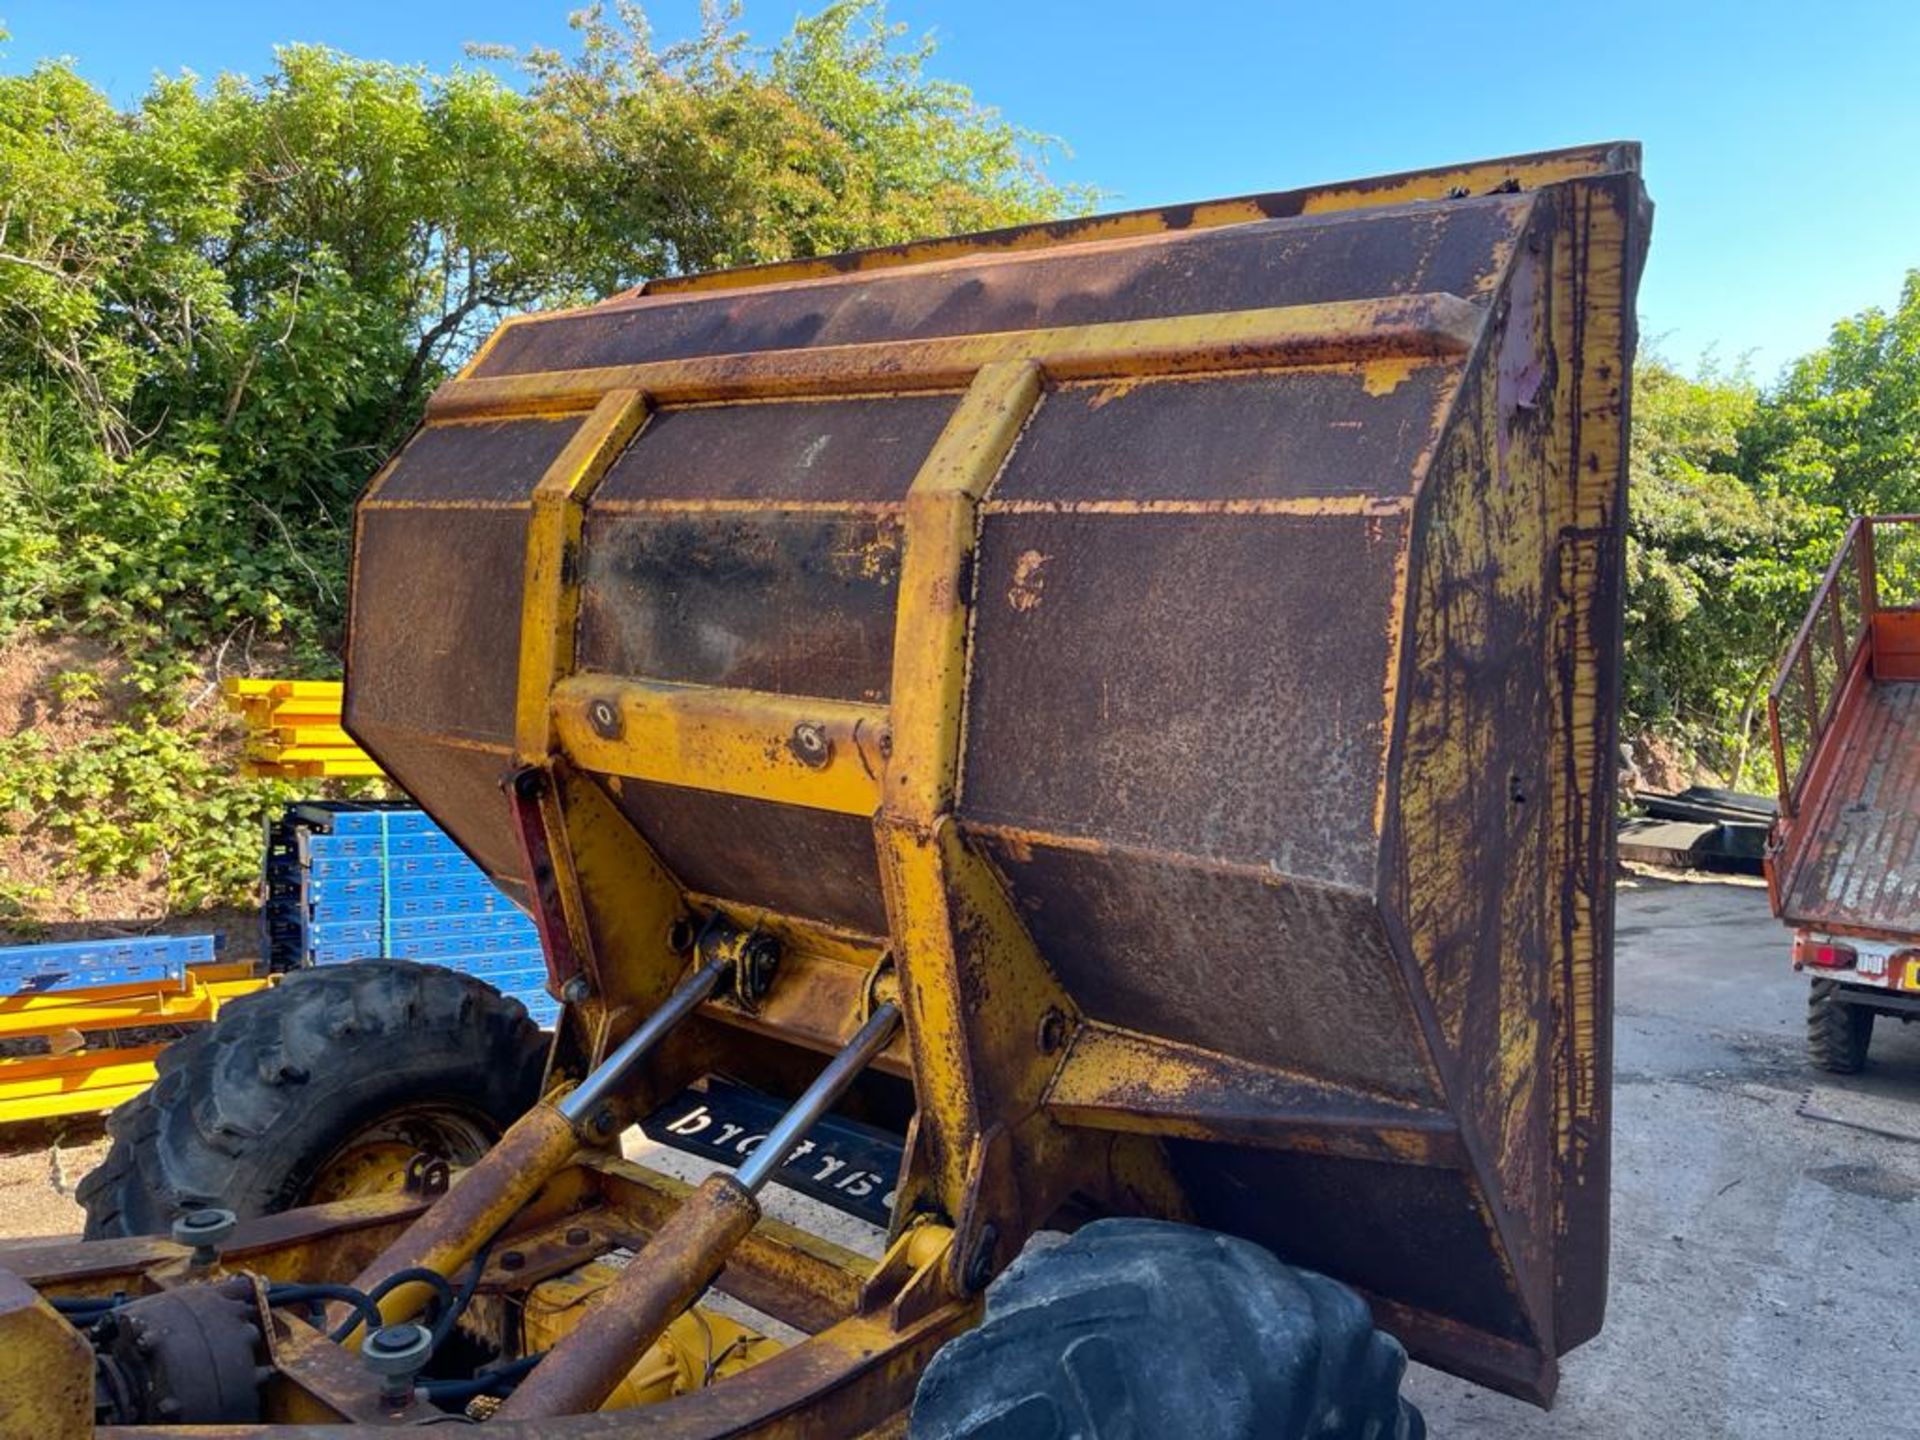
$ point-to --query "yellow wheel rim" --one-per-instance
(373, 1159)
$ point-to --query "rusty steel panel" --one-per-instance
(1409, 1234)
(1270, 435)
(797, 603)
(1116, 693)
(1233, 959)
(864, 449)
(1457, 249)
(432, 669)
(810, 863)
(491, 461)
(439, 654)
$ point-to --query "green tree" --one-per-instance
(709, 153)
(220, 309)
(1843, 428)
(1717, 569)
(223, 308)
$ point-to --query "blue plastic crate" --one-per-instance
(398, 878)
(406, 905)
(402, 931)
(375, 821)
(82, 964)
(372, 847)
(333, 869)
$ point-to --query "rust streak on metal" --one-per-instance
(1427, 324)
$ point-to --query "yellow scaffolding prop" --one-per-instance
(294, 730)
(88, 1080)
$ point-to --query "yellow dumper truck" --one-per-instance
(1124, 708)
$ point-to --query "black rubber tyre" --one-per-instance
(1141, 1327)
(249, 1110)
(1838, 1034)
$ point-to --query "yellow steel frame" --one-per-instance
(738, 742)
(552, 597)
(1401, 327)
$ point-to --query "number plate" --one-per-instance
(847, 1165)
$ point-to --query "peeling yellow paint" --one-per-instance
(1383, 377)
(1029, 580)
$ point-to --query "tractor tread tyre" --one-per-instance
(1838, 1034)
(1143, 1327)
(243, 1109)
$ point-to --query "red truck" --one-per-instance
(1843, 863)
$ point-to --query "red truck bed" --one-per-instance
(1846, 718)
(1860, 865)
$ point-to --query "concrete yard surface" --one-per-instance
(1766, 1217)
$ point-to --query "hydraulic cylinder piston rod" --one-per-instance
(684, 1255)
(534, 1149)
(580, 1104)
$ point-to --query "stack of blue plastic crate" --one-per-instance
(349, 880)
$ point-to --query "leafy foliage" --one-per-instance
(140, 796)
(1740, 496)
(1717, 568)
(219, 310)
(1843, 428)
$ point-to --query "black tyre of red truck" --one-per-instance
(321, 1087)
(1838, 1033)
(1144, 1327)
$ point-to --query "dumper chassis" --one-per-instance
(1127, 705)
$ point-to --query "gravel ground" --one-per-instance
(39, 1166)
(1765, 1217)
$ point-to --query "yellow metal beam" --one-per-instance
(972, 985)
(930, 632)
(1429, 324)
(823, 754)
(551, 597)
(40, 1087)
(114, 1007)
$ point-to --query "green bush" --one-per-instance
(222, 308)
(140, 798)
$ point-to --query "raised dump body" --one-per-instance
(1843, 868)
(1176, 651)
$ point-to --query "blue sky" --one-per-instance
(1782, 140)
